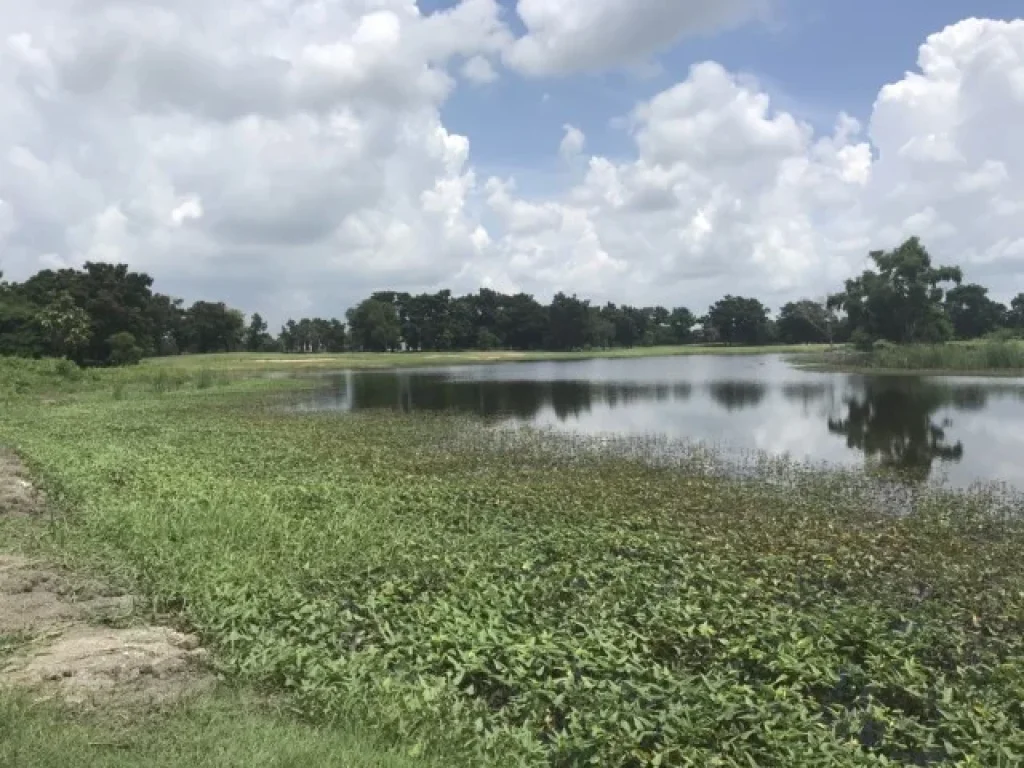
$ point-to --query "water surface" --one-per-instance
(957, 430)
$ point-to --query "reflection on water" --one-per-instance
(965, 430)
(894, 423)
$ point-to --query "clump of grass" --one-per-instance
(980, 357)
(555, 601)
(206, 378)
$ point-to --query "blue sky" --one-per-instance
(814, 58)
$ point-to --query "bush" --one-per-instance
(862, 341)
(67, 369)
(1004, 334)
(123, 349)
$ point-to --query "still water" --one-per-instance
(954, 430)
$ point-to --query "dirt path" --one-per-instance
(76, 639)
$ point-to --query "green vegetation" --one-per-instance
(999, 357)
(226, 730)
(516, 598)
(367, 360)
(105, 315)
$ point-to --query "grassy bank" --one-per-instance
(517, 599)
(248, 361)
(983, 358)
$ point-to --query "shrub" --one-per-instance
(123, 349)
(862, 340)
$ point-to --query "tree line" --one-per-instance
(105, 314)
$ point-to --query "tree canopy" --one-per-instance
(107, 314)
(902, 299)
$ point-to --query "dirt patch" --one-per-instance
(140, 666)
(37, 600)
(78, 640)
(18, 497)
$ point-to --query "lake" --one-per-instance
(958, 430)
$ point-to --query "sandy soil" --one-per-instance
(77, 639)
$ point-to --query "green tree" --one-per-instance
(256, 336)
(569, 323)
(1015, 317)
(374, 326)
(113, 297)
(20, 331)
(739, 320)
(66, 326)
(805, 322)
(972, 312)
(123, 349)
(523, 322)
(903, 300)
(213, 327)
(682, 321)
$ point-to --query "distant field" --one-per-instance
(250, 360)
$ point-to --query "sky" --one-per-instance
(292, 156)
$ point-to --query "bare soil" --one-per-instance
(18, 497)
(77, 639)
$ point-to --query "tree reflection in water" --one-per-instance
(892, 422)
(498, 399)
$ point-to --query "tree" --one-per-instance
(523, 322)
(569, 323)
(113, 298)
(681, 321)
(805, 322)
(1015, 317)
(66, 326)
(256, 336)
(213, 327)
(903, 300)
(374, 326)
(972, 312)
(20, 331)
(739, 320)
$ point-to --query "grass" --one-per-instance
(247, 361)
(226, 730)
(982, 357)
(515, 598)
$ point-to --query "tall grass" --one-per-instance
(971, 357)
(61, 379)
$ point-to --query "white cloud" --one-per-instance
(190, 209)
(565, 36)
(479, 70)
(241, 150)
(290, 157)
(572, 143)
(726, 194)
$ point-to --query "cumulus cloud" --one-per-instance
(289, 156)
(727, 194)
(239, 150)
(566, 36)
